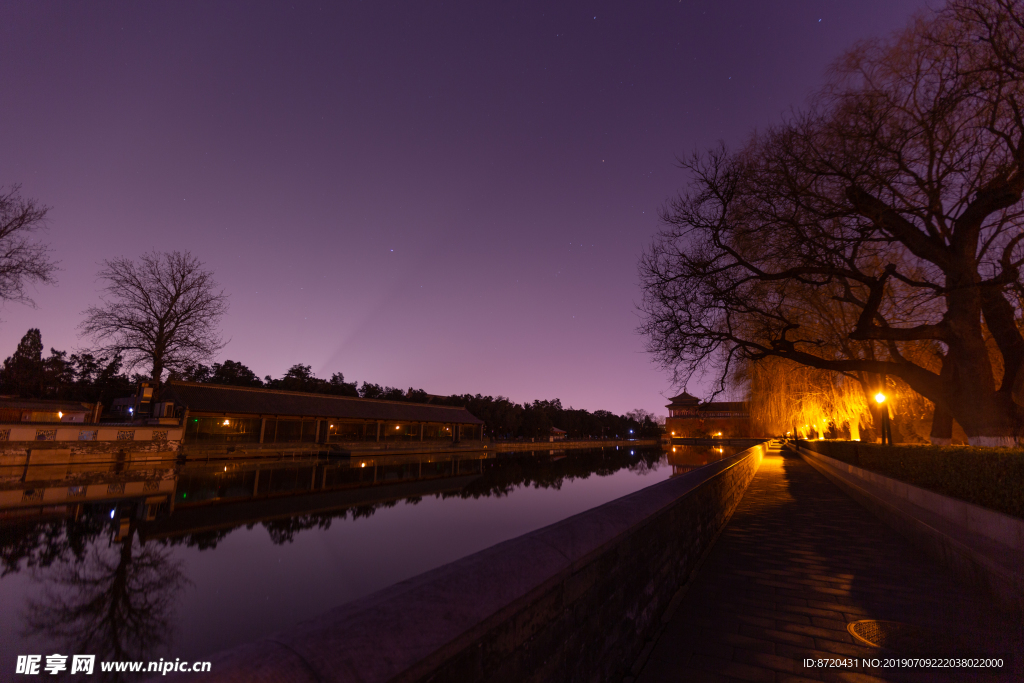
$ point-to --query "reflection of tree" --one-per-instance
(283, 530)
(40, 544)
(502, 476)
(115, 602)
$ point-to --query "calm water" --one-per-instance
(226, 552)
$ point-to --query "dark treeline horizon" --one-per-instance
(92, 378)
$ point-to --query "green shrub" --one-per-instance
(989, 477)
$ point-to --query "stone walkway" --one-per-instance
(798, 561)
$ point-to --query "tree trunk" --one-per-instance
(942, 427)
(969, 387)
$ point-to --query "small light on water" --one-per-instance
(111, 514)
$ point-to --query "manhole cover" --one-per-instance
(896, 636)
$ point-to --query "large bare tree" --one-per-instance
(161, 311)
(23, 260)
(879, 227)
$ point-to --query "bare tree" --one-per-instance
(880, 227)
(161, 312)
(22, 259)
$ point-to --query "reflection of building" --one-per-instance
(689, 418)
(685, 458)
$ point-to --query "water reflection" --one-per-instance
(104, 560)
(117, 601)
(684, 459)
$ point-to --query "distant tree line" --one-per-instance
(102, 378)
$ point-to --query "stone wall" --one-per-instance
(574, 601)
(61, 443)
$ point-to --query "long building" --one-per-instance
(216, 415)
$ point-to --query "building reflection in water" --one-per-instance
(98, 540)
(686, 458)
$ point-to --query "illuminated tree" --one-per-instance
(885, 219)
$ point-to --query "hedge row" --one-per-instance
(989, 477)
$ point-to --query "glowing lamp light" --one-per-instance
(60, 415)
(227, 422)
(673, 433)
(880, 397)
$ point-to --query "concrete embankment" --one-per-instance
(576, 600)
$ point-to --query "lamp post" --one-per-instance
(886, 427)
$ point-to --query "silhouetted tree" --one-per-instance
(340, 387)
(23, 373)
(160, 312)
(234, 374)
(23, 261)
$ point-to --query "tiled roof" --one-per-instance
(214, 398)
(40, 405)
(684, 399)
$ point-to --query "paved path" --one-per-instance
(797, 562)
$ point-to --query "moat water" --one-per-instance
(182, 559)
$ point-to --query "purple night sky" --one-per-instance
(450, 196)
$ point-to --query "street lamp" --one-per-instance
(886, 426)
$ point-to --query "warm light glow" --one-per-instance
(227, 422)
(396, 426)
(225, 469)
(673, 433)
(362, 464)
(332, 426)
(880, 397)
(60, 415)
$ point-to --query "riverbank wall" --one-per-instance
(573, 601)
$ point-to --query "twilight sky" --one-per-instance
(451, 196)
